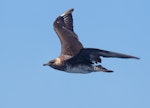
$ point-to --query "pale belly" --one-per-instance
(80, 69)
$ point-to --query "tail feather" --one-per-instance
(101, 68)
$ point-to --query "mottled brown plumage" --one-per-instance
(74, 58)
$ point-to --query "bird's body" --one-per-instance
(74, 58)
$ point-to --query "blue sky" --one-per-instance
(28, 40)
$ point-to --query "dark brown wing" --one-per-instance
(63, 25)
(89, 55)
(104, 53)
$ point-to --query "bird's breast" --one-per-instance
(79, 69)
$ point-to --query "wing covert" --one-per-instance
(90, 55)
(63, 25)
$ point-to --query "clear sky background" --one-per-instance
(27, 40)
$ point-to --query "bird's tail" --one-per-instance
(101, 68)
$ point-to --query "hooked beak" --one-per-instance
(49, 63)
(45, 64)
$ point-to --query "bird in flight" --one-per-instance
(74, 58)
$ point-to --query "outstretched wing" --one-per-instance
(63, 25)
(90, 55)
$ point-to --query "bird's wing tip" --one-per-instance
(67, 12)
(137, 58)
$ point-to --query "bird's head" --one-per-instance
(53, 63)
(50, 63)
